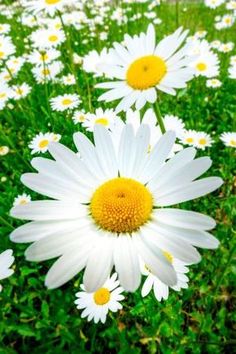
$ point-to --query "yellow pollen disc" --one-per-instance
(201, 66)
(19, 91)
(66, 101)
(121, 205)
(44, 57)
(189, 140)
(23, 201)
(46, 72)
(168, 256)
(2, 54)
(2, 95)
(102, 296)
(233, 142)
(52, 2)
(202, 141)
(146, 72)
(53, 38)
(102, 121)
(43, 143)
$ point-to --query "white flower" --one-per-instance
(202, 140)
(64, 102)
(213, 4)
(109, 209)
(93, 61)
(142, 68)
(47, 38)
(161, 290)
(49, 6)
(105, 118)
(43, 57)
(68, 80)
(4, 150)
(79, 117)
(22, 199)
(189, 137)
(207, 64)
(213, 83)
(47, 73)
(97, 304)
(41, 142)
(6, 260)
(229, 139)
(232, 72)
(174, 123)
(20, 91)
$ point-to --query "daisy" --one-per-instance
(105, 118)
(93, 61)
(231, 5)
(20, 91)
(161, 290)
(41, 142)
(97, 304)
(202, 140)
(68, 80)
(79, 117)
(4, 28)
(207, 64)
(174, 123)
(6, 47)
(142, 68)
(108, 209)
(213, 4)
(214, 83)
(226, 47)
(47, 73)
(6, 260)
(229, 139)
(189, 137)
(22, 199)
(5, 94)
(64, 102)
(232, 72)
(4, 150)
(43, 57)
(47, 38)
(228, 20)
(49, 6)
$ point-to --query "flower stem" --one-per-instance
(159, 117)
(177, 13)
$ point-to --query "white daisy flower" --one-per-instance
(68, 80)
(22, 199)
(142, 68)
(79, 116)
(202, 140)
(4, 150)
(229, 139)
(97, 304)
(228, 20)
(231, 71)
(7, 48)
(47, 38)
(215, 44)
(5, 94)
(226, 47)
(214, 83)
(109, 209)
(4, 28)
(6, 260)
(43, 57)
(49, 6)
(161, 290)
(231, 5)
(64, 102)
(41, 142)
(103, 117)
(93, 61)
(47, 73)
(174, 123)
(233, 60)
(207, 64)
(189, 137)
(20, 91)
(213, 4)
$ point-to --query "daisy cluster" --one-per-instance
(110, 212)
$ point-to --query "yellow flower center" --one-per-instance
(2, 95)
(53, 38)
(52, 2)
(66, 101)
(19, 91)
(44, 57)
(146, 72)
(102, 121)
(23, 201)
(43, 143)
(201, 66)
(102, 296)
(189, 140)
(233, 142)
(202, 141)
(168, 256)
(2, 54)
(46, 72)
(121, 205)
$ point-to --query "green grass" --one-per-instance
(197, 320)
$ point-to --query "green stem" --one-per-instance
(6, 223)
(177, 13)
(159, 117)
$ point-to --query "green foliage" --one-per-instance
(197, 320)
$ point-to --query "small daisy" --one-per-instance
(174, 123)
(41, 141)
(48, 6)
(47, 38)
(20, 91)
(5, 94)
(68, 80)
(214, 83)
(207, 64)
(232, 72)
(226, 47)
(22, 199)
(189, 137)
(112, 207)
(48, 72)
(93, 61)
(64, 102)
(229, 139)
(43, 57)
(215, 44)
(161, 290)
(228, 20)
(6, 260)
(202, 140)
(213, 4)
(105, 118)
(97, 304)
(142, 68)
(79, 117)
(4, 28)
(4, 150)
